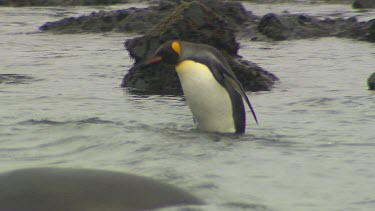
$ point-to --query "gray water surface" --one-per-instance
(314, 148)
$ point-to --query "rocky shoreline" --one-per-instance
(270, 27)
(218, 23)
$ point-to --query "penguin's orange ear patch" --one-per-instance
(176, 47)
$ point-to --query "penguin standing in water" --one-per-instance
(212, 91)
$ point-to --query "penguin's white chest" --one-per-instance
(209, 101)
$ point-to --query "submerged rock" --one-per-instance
(363, 4)
(289, 26)
(192, 22)
(371, 82)
(15, 78)
(46, 189)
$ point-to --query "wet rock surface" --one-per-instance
(363, 4)
(192, 22)
(371, 82)
(141, 20)
(291, 26)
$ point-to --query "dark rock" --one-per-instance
(287, 27)
(243, 22)
(192, 22)
(58, 189)
(364, 31)
(141, 20)
(132, 20)
(292, 26)
(369, 34)
(27, 3)
(15, 79)
(252, 76)
(363, 4)
(371, 82)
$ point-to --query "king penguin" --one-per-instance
(212, 91)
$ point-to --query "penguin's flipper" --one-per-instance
(238, 87)
(225, 74)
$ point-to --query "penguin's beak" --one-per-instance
(153, 60)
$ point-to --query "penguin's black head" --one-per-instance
(169, 52)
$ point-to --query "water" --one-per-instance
(313, 150)
(318, 10)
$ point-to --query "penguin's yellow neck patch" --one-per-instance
(176, 47)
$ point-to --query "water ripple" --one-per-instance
(93, 120)
(15, 78)
(246, 206)
(312, 102)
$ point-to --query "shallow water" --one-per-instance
(313, 149)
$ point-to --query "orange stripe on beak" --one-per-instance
(153, 60)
